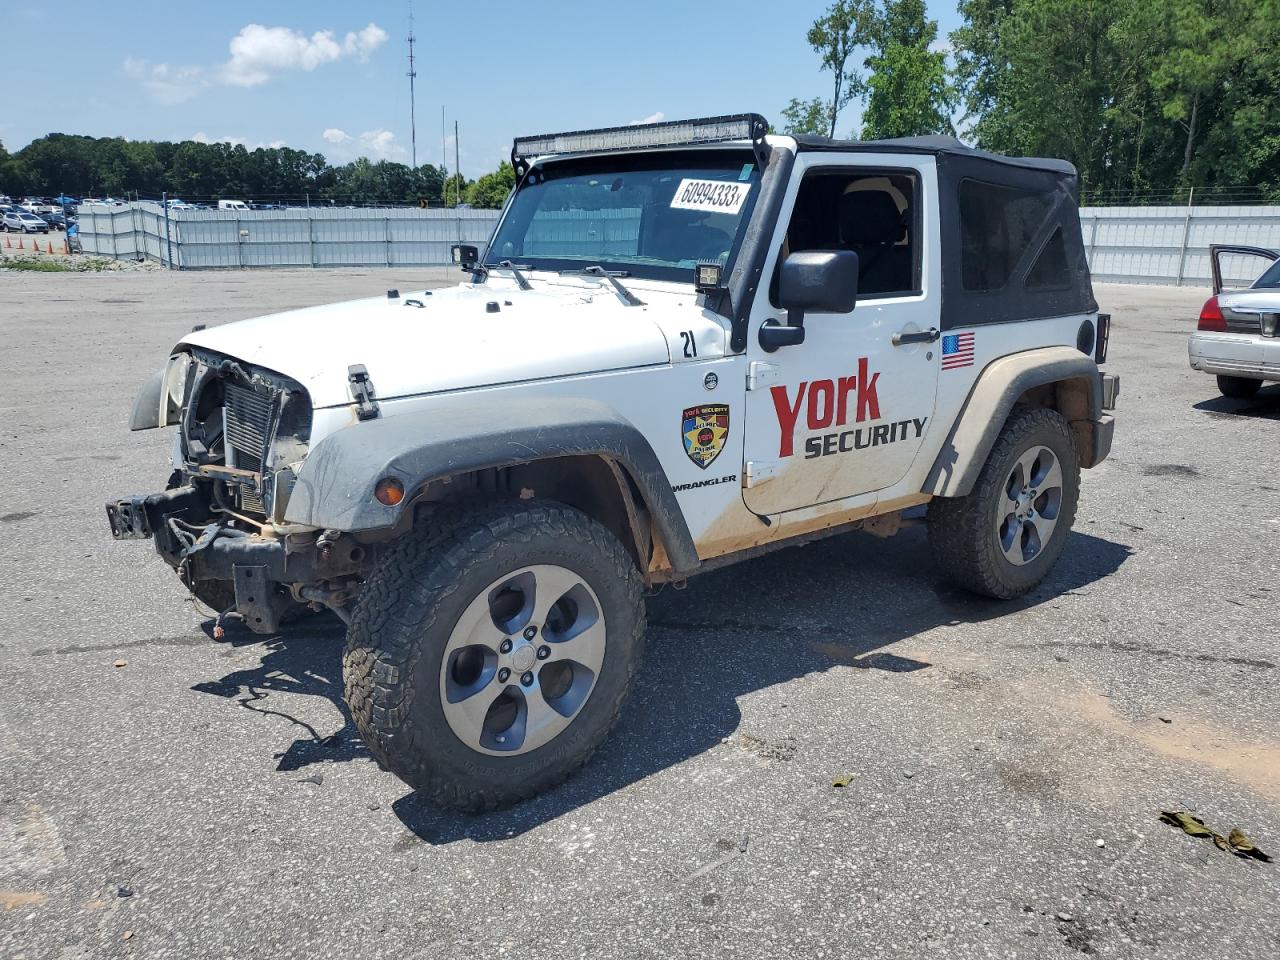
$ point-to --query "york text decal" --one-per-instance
(826, 404)
(837, 403)
(718, 196)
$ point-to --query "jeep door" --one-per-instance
(845, 412)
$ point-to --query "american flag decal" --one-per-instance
(957, 350)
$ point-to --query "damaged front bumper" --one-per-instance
(270, 572)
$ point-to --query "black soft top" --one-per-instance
(1011, 242)
(934, 145)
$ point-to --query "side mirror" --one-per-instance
(825, 281)
(465, 255)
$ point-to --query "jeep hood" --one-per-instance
(455, 340)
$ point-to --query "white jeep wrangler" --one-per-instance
(686, 344)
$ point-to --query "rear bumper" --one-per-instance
(1235, 355)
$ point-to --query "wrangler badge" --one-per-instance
(704, 429)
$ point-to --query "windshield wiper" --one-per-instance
(521, 281)
(625, 295)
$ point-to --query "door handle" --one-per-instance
(924, 336)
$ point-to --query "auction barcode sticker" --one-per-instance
(718, 196)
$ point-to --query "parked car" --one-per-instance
(1237, 337)
(803, 336)
(232, 205)
(24, 222)
(56, 220)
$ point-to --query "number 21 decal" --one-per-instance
(690, 345)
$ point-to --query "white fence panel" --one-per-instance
(1167, 245)
(1170, 245)
(299, 237)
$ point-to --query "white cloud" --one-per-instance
(166, 84)
(202, 137)
(651, 118)
(257, 54)
(376, 144)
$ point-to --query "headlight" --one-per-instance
(174, 393)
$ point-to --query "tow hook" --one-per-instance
(335, 600)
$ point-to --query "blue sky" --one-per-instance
(329, 76)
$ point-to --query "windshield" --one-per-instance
(652, 215)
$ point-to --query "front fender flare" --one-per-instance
(997, 389)
(146, 407)
(334, 488)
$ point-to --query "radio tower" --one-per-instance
(413, 117)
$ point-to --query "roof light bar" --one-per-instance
(673, 133)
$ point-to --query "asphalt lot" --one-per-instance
(163, 808)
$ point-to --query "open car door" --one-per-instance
(1216, 251)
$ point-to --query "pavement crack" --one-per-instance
(180, 640)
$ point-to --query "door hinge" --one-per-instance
(758, 471)
(362, 392)
(761, 374)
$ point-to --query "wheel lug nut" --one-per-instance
(527, 678)
(505, 646)
(530, 632)
(544, 652)
(503, 675)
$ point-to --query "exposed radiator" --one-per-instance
(247, 420)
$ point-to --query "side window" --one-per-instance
(872, 213)
(1050, 271)
(997, 224)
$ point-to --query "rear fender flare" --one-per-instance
(1001, 384)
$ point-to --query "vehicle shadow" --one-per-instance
(749, 627)
(303, 659)
(843, 601)
(1265, 405)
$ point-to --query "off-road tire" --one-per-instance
(1238, 388)
(407, 611)
(962, 530)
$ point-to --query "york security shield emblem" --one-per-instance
(704, 429)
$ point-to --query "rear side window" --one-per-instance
(997, 225)
(1271, 278)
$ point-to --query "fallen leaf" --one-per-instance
(1242, 846)
(843, 780)
(1192, 826)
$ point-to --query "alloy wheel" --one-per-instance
(1028, 512)
(522, 660)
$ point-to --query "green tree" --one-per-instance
(1138, 95)
(807, 116)
(847, 25)
(980, 62)
(490, 191)
(909, 92)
